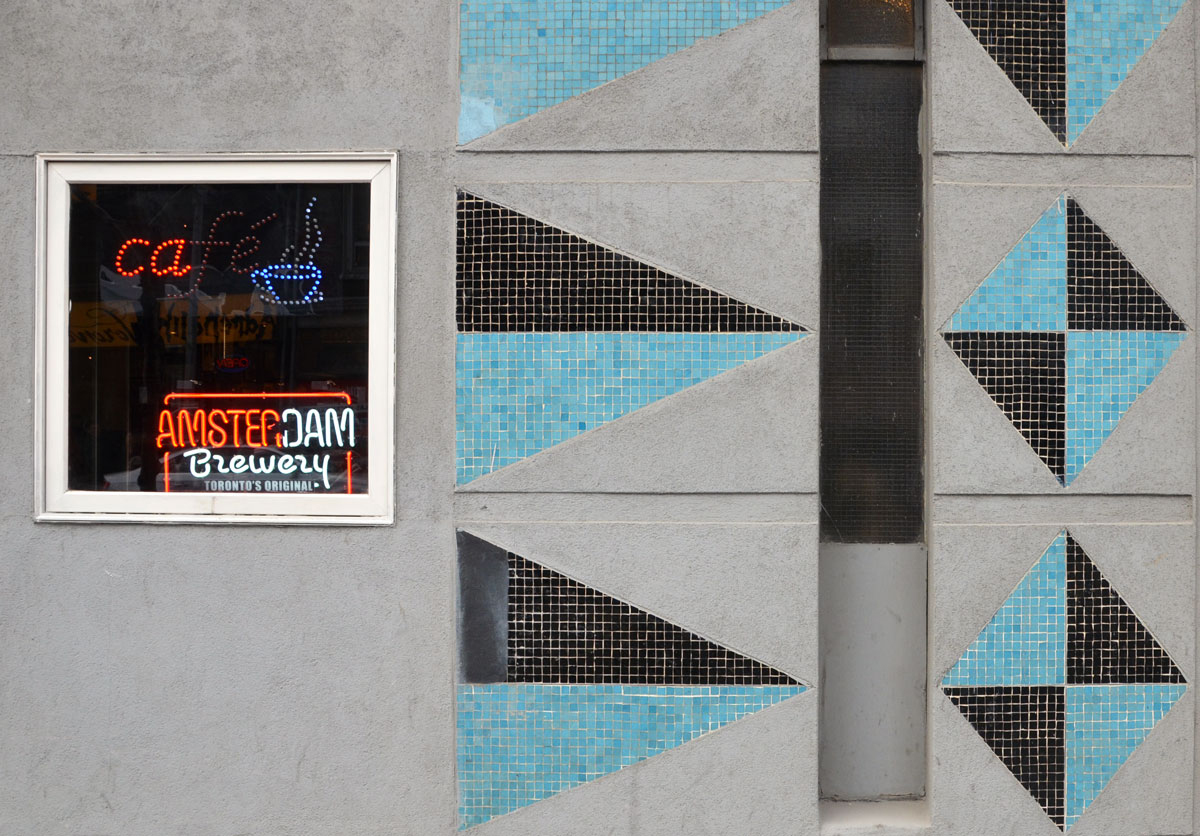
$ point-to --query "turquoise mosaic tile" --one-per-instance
(1028, 289)
(1064, 335)
(519, 743)
(1105, 39)
(1106, 371)
(1025, 642)
(1067, 57)
(518, 393)
(1105, 681)
(521, 56)
(1104, 724)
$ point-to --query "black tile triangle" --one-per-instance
(1025, 374)
(516, 273)
(1106, 642)
(1105, 292)
(1026, 728)
(560, 631)
(1029, 41)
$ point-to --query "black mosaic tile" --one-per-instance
(1028, 39)
(1104, 290)
(560, 631)
(1026, 728)
(1106, 642)
(1026, 375)
(519, 274)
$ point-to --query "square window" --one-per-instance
(216, 338)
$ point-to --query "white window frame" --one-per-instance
(54, 502)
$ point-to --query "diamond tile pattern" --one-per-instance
(1064, 335)
(1066, 56)
(1064, 682)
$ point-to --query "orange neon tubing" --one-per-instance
(185, 395)
(166, 474)
(348, 478)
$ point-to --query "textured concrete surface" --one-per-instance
(973, 569)
(189, 680)
(737, 91)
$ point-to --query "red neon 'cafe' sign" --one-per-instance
(249, 445)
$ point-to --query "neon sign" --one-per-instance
(137, 255)
(257, 442)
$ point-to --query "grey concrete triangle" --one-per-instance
(750, 430)
(1153, 228)
(975, 106)
(737, 91)
(1154, 109)
(976, 448)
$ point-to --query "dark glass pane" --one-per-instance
(218, 337)
(869, 23)
(871, 308)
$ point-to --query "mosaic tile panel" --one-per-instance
(559, 335)
(522, 56)
(1067, 57)
(1025, 642)
(562, 631)
(594, 684)
(518, 744)
(1026, 729)
(1064, 682)
(1064, 335)
(1104, 724)
(516, 273)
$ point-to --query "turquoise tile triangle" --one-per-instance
(518, 393)
(521, 743)
(1028, 289)
(1105, 39)
(1106, 371)
(1025, 643)
(521, 56)
(1104, 724)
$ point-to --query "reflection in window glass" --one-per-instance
(218, 338)
(869, 23)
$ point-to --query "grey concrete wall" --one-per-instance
(185, 679)
(202, 680)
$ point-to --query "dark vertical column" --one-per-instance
(872, 620)
(872, 486)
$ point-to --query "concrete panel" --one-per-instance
(756, 777)
(17, 194)
(972, 570)
(975, 106)
(752, 588)
(1154, 109)
(975, 448)
(179, 680)
(752, 429)
(757, 242)
(119, 76)
(872, 640)
(684, 101)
